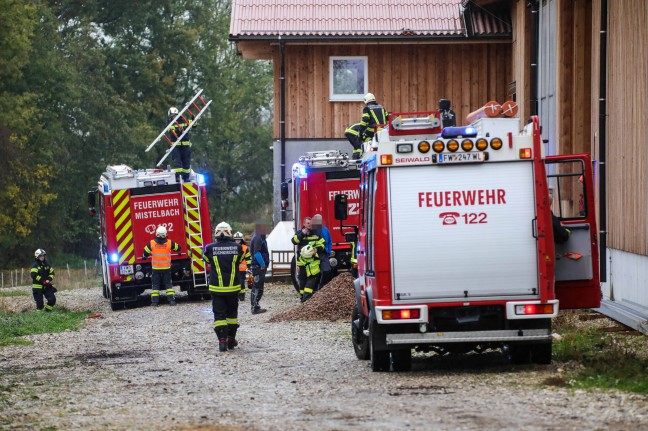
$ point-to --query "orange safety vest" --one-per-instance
(160, 254)
(244, 263)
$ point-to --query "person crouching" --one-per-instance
(42, 275)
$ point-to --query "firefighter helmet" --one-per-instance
(173, 111)
(238, 235)
(38, 253)
(369, 97)
(223, 230)
(161, 232)
(307, 251)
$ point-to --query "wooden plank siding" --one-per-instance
(403, 78)
(627, 127)
(521, 62)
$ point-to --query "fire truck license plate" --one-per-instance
(126, 270)
(461, 157)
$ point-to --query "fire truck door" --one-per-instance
(571, 190)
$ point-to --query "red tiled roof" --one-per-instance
(344, 18)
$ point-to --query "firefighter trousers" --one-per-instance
(48, 293)
(354, 140)
(181, 156)
(257, 286)
(307, 285)
(225, 308)
(161, 278)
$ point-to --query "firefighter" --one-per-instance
(306, 236)
(160, 250)
(309, 262)
(320, 229)
(373, 115)
(42, 275)
(224, 256)
(561, 233)
(181, 154)
(448, 117)
(245, 263)
(260, 259)
(356, 139)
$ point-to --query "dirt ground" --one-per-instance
(159, 369)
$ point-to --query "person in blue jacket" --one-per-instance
(260, 261)
(319, 228)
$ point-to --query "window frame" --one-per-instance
(348, 97)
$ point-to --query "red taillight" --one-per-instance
(530, 309)
(409, 313)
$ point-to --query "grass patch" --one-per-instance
(11, 293)
(603, 360)
(15, 325)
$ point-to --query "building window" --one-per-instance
(348, 78)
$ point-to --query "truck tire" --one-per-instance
(380, 360)
(293, 274)
(359, 339)
(541, 353)
(402, 360)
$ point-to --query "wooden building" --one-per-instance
(582, 65)
(331, 52)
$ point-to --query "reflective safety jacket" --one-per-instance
(41, 272)
(355, 130)
(316, 241)
(160, 251)
(178, 129)
(225, 257)
(247, 259)
(373, 114)
(311, 265)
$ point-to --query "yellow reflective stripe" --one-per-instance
(218, 323)
(125, 242)
(232, 321)
(36, 286)
(224, 289)
(192, 200)
(155, 293)
(121, 219)
(128, 251)
(170, 291)
(233, 271)
(121, 206)
(34, 270)
(218, 271)
(124, 229)
(308, 290)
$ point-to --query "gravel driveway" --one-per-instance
(152, 369)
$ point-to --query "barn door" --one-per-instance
(571, 188)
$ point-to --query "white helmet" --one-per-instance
(238, 235)
(38, 253)
(223, 230)
(161, 232)
(173, 111)
(307, 251)
(369, 97)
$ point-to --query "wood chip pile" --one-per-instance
(335, 301)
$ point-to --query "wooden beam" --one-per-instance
(251, 50)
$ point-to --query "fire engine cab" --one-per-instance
(132, 204)
(316, 179)
(456, 240)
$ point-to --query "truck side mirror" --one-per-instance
(284, 194)
(92, 203)
(341, 207)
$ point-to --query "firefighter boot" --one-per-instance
(357, 154)
(155, 298)
(221, 333)
(231, 336)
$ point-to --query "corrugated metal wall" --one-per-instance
(403, 78)
(627, 137)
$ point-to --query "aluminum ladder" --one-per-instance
(194, 231)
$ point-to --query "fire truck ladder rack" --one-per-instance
(326, 159)
(193, 225)
(196, 107)
(417, 123)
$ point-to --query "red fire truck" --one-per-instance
(456, 244)
(317, 178)
(132, 204)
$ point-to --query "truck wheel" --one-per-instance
(402, 360)
(379, 359)
(359, 339)
(293, 274)
(541, 353)
(114, 306)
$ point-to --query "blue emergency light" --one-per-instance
(202, 179)
(114, 258)
(300, 171)
(459, 132)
